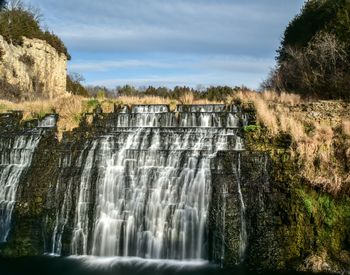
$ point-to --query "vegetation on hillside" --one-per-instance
(316, 133)
(314, 57)
(17, 20)
(212, 93)
(72, 108)
(74, 85)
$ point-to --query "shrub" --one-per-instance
(101, 95)
(74, 85)
(314, 144)
(9, 91)
(17, 21)
(186, 98)
(27, 60)
(314, 57)
(251, 128)
(127, 90)
(218, 93)
(2, 53)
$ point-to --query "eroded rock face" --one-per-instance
(35, 67)
(286, 223)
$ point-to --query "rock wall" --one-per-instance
(34, 67)
(289, 224)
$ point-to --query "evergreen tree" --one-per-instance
(3, 4)
(314, 57)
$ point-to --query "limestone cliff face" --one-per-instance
(35, 67)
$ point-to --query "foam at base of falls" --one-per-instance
(94, 261)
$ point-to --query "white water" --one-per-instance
(48, 121)
(15, 157)
(94, 262)
(223, 229)
(243, 231)
(152, 184)
(81, 221)
(153, 196)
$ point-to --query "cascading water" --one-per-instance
(15, 157)
(152, 183)
(81, 220)
(243, 232)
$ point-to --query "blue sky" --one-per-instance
(170, 42)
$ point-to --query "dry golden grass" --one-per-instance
(70, 108)
(187, 98)
(284, 98)
(265, 115)
(315, 149)
(30, 109)
(288, 124)
(107, 106)
(317, 262)
(346, 127)
(135, 100)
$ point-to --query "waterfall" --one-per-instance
(62, 216)
(81, 220)
(49, 121)
(243, 232)
(153, 196)
(223, 229)
(150, 172)
(15, 157)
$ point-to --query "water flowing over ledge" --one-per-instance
(145, 186)
(160, 185)
(15, 157)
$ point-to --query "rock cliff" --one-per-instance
(35, 67)
(262, 213)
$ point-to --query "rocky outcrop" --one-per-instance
(35, 67)
(289, 225)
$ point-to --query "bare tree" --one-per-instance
(322, 66)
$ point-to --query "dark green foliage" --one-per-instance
(212, 93)
(178, 92)
(95, 90)
(18, 21)
(26, 59)
(127, 90)
(2, 53)
(314, 17)
(160, 91)
(9, 91)
(251, 128)
(219, 93)
(55, 42)
(3, 4)
(74, 85)
(314, 57)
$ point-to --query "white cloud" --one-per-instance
(188, 26)
(206, 63)
(209, 41)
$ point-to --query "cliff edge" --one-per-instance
(35, 68)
